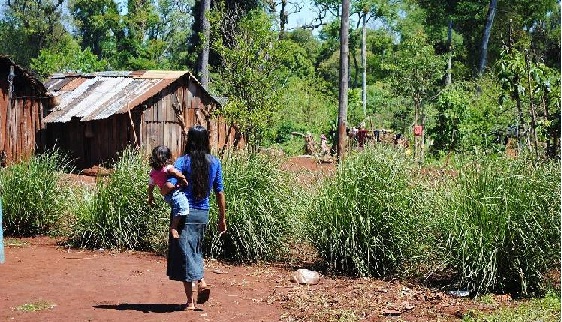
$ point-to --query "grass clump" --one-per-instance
(36, 306)
(118, 215)
(545, 309)
(258, 210)
(365, 219)
(32, 200)
(500, 225)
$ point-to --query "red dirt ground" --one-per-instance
(79, 285)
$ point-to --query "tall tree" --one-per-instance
(472, 19)
(486, 35)
(367, 11)
(97, 21)
(28, 26)
(249, 74)
(203, 66)
(344, 76)
(418, 72)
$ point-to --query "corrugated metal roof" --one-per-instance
(100, 95)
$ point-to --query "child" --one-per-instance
(161, 171)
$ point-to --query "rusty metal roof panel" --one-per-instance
(134, 93)
(139, 96)
(93, 98)
(97, 96)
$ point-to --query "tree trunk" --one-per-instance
(486, 36)
(344, 78)
(449, 51)
(364, 63)
(283, 18)
(533, 133)
(204, 55)
(417, 147)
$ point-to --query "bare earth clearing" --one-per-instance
(41, 281)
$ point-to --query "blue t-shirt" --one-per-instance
(183, 164)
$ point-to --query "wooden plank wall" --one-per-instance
(21, 122)
(160, 124)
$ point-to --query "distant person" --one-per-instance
(376, 134)
(160, 161)
(185, 255)
(397, 139)
(310, 145)
(361, 136)
(324, 148)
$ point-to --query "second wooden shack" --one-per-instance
(23, 99)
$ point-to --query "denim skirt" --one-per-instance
(185, 254)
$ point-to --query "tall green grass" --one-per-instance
(501, 224)
(118, 215)
(491, 223)
(33, 202)
(259, 210)
(365, 220)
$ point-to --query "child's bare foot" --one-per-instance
(174, 233)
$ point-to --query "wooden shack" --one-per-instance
(98, 115)
(23, 100)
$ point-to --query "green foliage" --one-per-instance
(530, 84)
(249, 75)
(28, 26)
(467, 118)
(305, 106)
(417, 73)
(500, 224)
(259, 215)
(32, 201)
(545, 309)
(67, 58)
(364, 220)
(118, 216)
(386, 110)
(98, 23)
(451, 106)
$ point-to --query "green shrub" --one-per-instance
(118, 215)
(501, 224)
(258, 210)
(365, 219)
(32, 200)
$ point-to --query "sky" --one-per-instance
(305, 16)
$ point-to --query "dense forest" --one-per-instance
(474, 73)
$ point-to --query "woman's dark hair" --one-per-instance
(197, 147)
(160, 157)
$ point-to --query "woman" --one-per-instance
(185, 255)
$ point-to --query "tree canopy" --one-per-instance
(280, 77)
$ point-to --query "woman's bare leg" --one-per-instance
(203, 291)
(188, 286)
